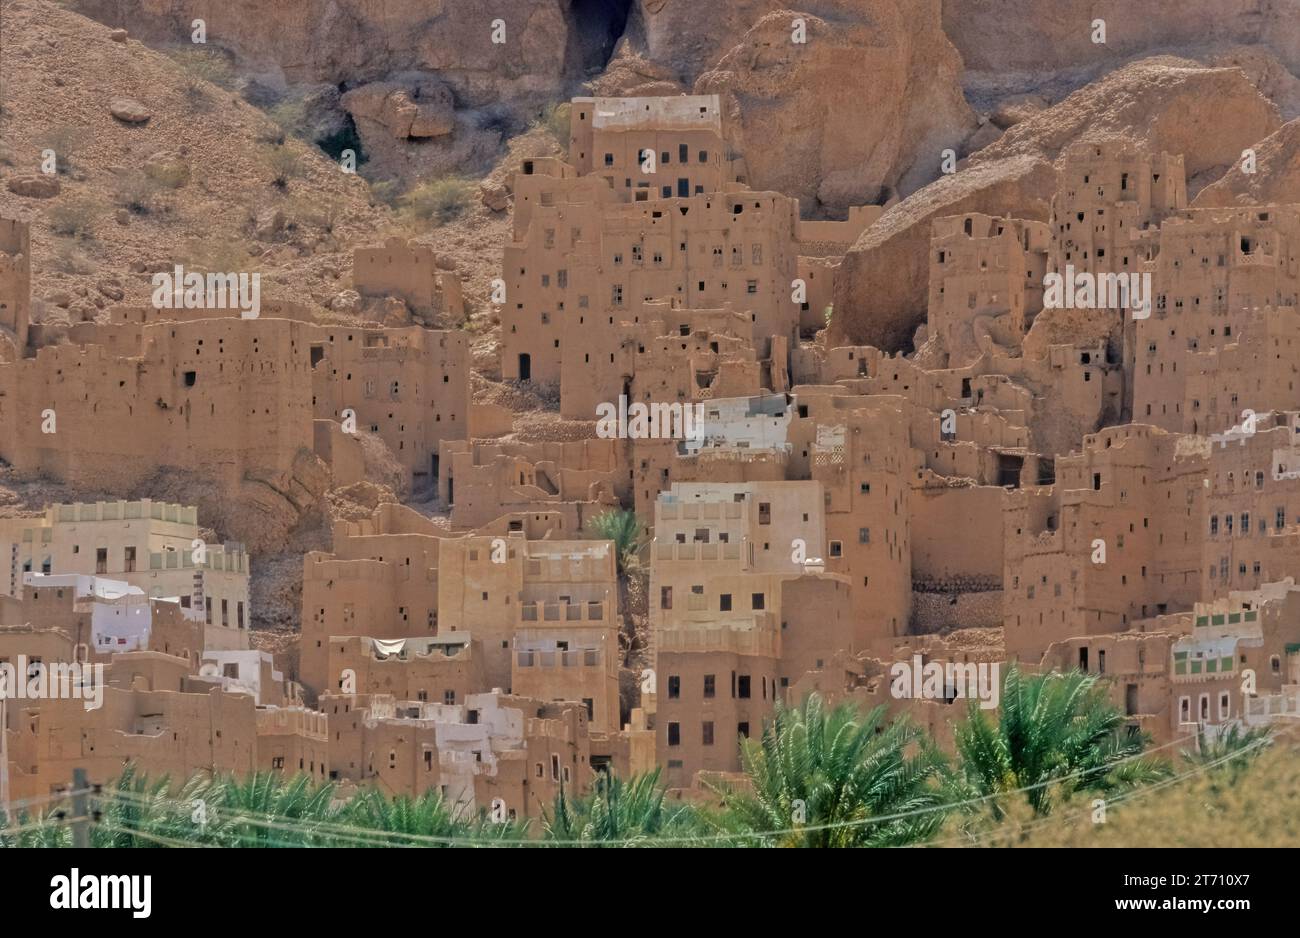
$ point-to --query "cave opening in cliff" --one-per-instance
(343, 137)
(597, 27)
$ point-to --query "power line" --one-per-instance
(1136, 792)
(301, 825)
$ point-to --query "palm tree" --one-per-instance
(624, 529)
(134, 809)
(627, 813)
(1054, 731)
(267, 809)
(427, 820)
(1230, 753)
(819, 779)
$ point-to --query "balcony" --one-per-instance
(1273, 706)
(744, 638)
(593, 611)
(582, 658)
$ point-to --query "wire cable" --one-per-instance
(343, 829)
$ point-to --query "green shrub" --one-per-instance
(74, 217)
(137, 193)
(555, 121)
(206, 65)
(66, 141)
(285, 165)
(290, 115)
(439, 200)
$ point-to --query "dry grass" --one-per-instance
(75, 216)
(438, 201)
(1260, 807)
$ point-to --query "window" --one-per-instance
(864, 535)
(837, 549)
(101, 559)
(742, 687)
(764, 513)
(742, 729)
(128, 562)
(674, 734)
(724, 602)
(665, 597)
(674, 687)
(710, 685)
(757, 601)
(707, 733)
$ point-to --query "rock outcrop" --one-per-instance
(1206, 114)
(1276, 176)
(1209, 115)
(882, 288)
(1043, 35)
(357, 41)
(867, 103)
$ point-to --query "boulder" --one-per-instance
(494, 196)
(34, 186)
(129, 110)
(1016, 108)
(805, 121)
